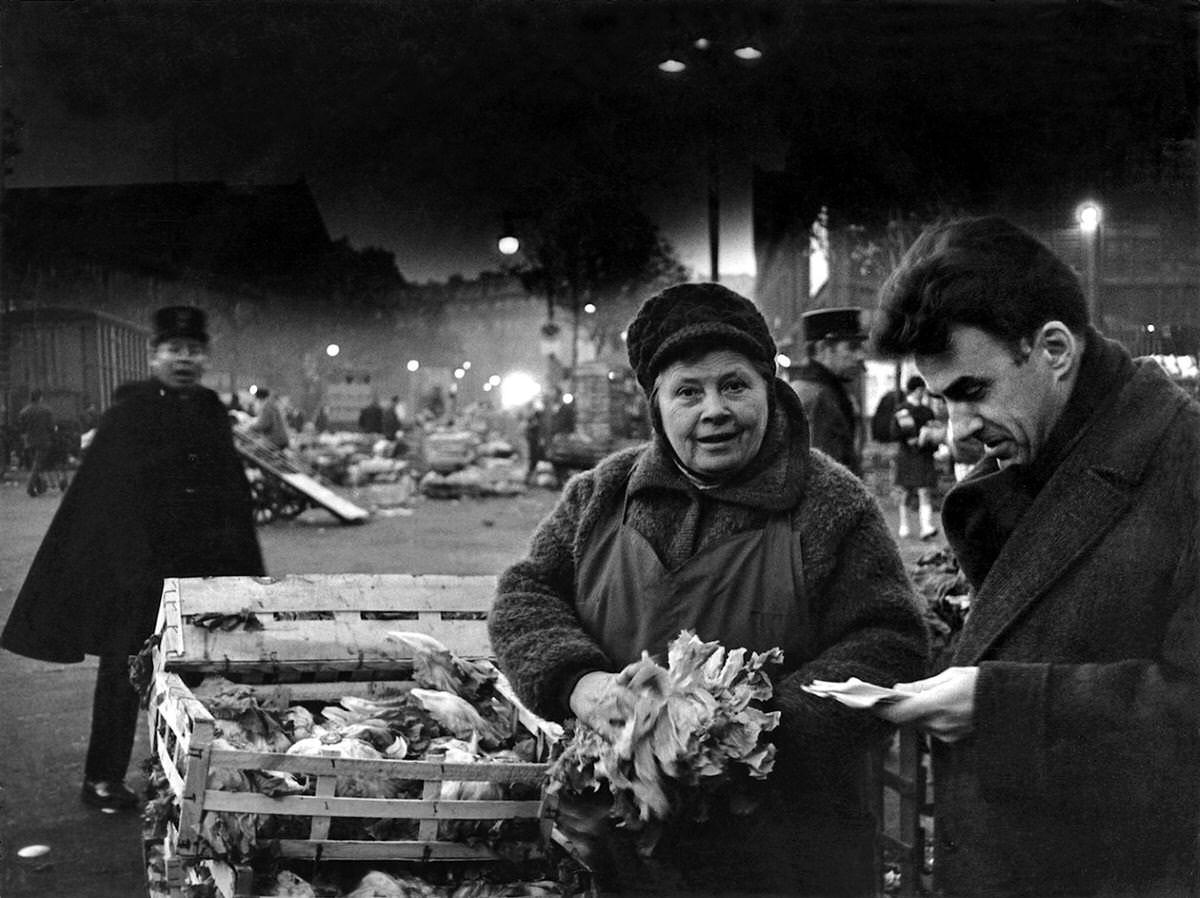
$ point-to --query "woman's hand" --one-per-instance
(601, 703)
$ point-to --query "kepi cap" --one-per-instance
(180, 322)
(833, 324)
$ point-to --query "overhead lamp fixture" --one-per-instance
(748, 53)
(672, 66)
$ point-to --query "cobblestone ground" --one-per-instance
(45, 709)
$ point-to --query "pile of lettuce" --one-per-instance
(697, 725)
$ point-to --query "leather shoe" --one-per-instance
(109, 797)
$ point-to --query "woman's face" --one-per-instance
(714, 411)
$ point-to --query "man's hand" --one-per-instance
(943, 706)
(599, 701)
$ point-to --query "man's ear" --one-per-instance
(1061, 349)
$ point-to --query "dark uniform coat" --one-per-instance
(831, 417)
(1083, 774)
(161, 492)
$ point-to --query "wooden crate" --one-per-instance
(316, 638)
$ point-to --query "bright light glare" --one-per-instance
(518, 388)
(1149, 328)
(748, 53)
(332, 350)
(494, 380)
(701, 43)
(568, 398)
(672, 66)
(508, 245)
(466, 366)
(459, 373)
(413, 365)
(1089, 216)
(783, 361)
(253, 389)
(590, 308)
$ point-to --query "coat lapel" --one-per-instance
(1084, 498)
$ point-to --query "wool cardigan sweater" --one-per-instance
(861, 608)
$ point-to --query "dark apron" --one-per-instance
(744, 592)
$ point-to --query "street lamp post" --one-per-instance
(673, 67)
(1090, 216)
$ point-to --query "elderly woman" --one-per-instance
(725, 523)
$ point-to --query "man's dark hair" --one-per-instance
(982, 272)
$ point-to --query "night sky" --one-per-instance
(421, 124)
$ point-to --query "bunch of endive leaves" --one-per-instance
(695, 725)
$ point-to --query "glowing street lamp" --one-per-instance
(1090, 216)
(508, 245)
(332, 350)
(413, 365)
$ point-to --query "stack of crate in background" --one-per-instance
(608, 402)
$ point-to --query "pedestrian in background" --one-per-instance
(535, 436)
(269, 422)
(370, 419)
(390, 419)
(918, 435)
(36, 423)
(160, 493)
(1066, 754)
(833, 341)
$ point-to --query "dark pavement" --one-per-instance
(45, 709)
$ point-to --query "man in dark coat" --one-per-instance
(161, 492)
(36, 423)
(1066, 752)
(370, 419)
(833, 341)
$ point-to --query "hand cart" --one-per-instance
(282, 488)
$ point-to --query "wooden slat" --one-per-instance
(348, 643)
(427, 829)
(326, 790)
(336, 806)
(336, 592)
(195, 783)
(346, 850)
(483, 771)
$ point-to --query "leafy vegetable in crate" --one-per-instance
(334, 744)
(289, 885)
(435, 667)
(247, 722)
(462, 718)
(229, 834)
(696, 726)
(377, 884)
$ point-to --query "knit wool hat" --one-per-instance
(671, 322)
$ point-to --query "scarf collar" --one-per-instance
(982, 511)
(773, 480)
